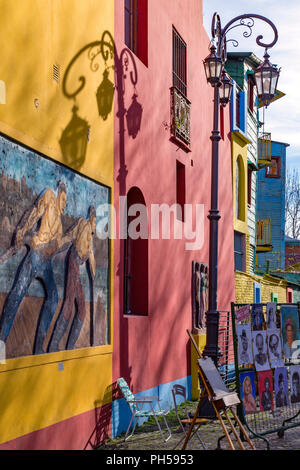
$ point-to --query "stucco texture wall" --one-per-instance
(54, 400)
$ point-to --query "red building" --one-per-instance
(168, 161)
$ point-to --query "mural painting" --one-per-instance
(54, 266)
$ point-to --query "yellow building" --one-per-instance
(50, 72)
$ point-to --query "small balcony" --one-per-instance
(264, 149)
(180, 119)
(263, 236)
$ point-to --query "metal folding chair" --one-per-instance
(180, 391)
(136, 405)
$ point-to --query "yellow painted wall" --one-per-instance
(200, 341)
(244, 288)
(239, 153)
(34, 36)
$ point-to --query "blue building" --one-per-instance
(270, 227)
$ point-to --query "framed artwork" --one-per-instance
(199, 294)
(244, 335)
(260, 355)
(290, 331)
(274, 348)
(281, 387)
(54, 263)
(257, 317)
(271, 315)
(265, 388)
(295, 384)
(247, 392)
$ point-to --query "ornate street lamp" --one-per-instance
(213, 67)
(266, 79)
(225, 89)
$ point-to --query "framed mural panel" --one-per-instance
(54, 266)
(199, 294)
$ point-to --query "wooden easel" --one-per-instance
(221, 399)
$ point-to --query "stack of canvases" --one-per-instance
(269, 346)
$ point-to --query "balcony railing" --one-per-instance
(180, 117)
(263, 235)
(264, 149)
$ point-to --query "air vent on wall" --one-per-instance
(56, 73)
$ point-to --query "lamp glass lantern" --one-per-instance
(213, 67)
(266, 79)
(225, 89)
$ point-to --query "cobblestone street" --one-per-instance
(147, 437)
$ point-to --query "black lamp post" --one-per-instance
(266, 79)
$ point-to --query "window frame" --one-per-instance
(179, 63)
(278, 174)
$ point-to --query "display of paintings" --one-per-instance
(257, 317)
(274, 348)
(248, 392)
(290, 331)
(271, 315)
(265, 388)
(245, 355)
(295, 384)
(260, 350)
(281, 387)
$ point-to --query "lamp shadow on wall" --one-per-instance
(75, 137)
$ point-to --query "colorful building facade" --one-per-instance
(173, 146)
(56, 306)
(96, 114)
(248, 164)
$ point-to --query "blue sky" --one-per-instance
(282, 118)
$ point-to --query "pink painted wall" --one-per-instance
(154, 350)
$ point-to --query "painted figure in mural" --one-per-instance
(81, 251)
(43, 243)
(206, 288)
(200, 286)
(197, 282)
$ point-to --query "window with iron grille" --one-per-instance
(179, 66)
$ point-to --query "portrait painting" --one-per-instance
(244, 335)
(295, 383)
(248, 396)
(271, 315)
(54, 263)
(274, 348)
(199, 294)
(257, 317)
(281, 387)
(265, 388)
(290, 331)
(260, 353)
